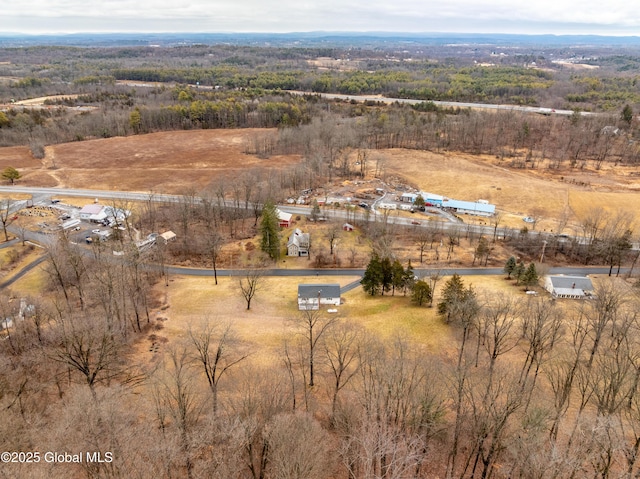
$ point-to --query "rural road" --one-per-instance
(42, 238)
(42, 193)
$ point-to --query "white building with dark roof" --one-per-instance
(311, 296)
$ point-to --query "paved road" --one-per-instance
(363, 98)
(420, 272)
(448, 104)
(23, 271)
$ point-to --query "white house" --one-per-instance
(387, 206)
(311, 296)
(574, 287)
(298, 244)
(99, 213)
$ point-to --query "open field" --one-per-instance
(518, 192)
(188, 300)
(168, 162)
(174, 162)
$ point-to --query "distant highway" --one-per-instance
(448, 104)
(363, 98)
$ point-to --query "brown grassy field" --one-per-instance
(167, 162)
(188, 300)
(519, 192)
(173, 162)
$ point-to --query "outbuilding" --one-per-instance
(475, 208)
(284, 219)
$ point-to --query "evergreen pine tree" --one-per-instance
(510, 266)
(270, 231)
(421, 293)
(530, 276)
(397, 277)
(387, 274)
(372, 278)
(409, 278)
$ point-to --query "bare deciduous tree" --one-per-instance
(250, 284)
(214, 346)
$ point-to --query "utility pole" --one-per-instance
(544, 246)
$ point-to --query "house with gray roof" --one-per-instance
(311, 296)
(573, 287)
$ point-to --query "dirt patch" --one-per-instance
(42, 99)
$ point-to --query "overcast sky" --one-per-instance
(610, 17)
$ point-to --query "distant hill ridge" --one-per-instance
(307, 39)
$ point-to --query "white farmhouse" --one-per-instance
(298, 244)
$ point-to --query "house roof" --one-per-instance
(431, 196)
(168, 235)
(282, 216)
(91, 209)
(469, 205)
(298, 237)
(331, 290)
(570, 284)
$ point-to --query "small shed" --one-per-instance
(311, 296)
(168, 236)
(572, 287)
